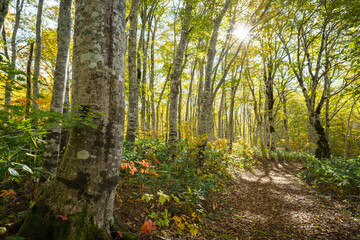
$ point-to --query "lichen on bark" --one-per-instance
(84, 188)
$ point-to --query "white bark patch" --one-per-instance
(83, 154)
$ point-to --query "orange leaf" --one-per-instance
(148, 226)
(64, 218)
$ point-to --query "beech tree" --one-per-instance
(52, 148)
(133, 115)
(176, 72)
(38, 53)
(84, 187)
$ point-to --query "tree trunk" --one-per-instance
(220, 113)
(4, 8)
(158, 104)
(346, 146)
(190, 91)
(11, 76)
(84, 188)
(204, 127)
(176, 72)
(152, 78)
(53, 139)
(37, 55)
(286, 124)
(269, 90)
(28, 80)
(322, 149)
(133, 115)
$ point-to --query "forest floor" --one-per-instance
(272, 202)
(268, 202)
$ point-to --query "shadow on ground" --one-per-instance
(271, 202)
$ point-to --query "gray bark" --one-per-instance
(133, 115)
(175, 75)
(84, 188)
(37, 55)
(52, 147)
(190, 91)
(204, 126)
(152, 78)
(11, 76)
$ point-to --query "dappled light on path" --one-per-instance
(271, 202)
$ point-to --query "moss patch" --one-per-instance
(43, 225)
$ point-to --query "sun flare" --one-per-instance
(242, 32)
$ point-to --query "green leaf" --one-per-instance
(15, 238)
(175, 198)
(27, 169)
(13, 172)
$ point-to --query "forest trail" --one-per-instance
(271, 202)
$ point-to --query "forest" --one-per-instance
(179, 119)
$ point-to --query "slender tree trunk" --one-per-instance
(53, 139)
(179, 111)
(220, 113)
(175, 75)
(84, 188)
(158, 104)
(4, 8)
(37, 55)
(133, 115)
(11, 76)
(28, 80)
(66, 111)
(286, 124)
(327, 118)
(205, 115)
(190, 91)
(346, 145)
(269, 90)
(152, 79)
(200, 91)
(144, 109)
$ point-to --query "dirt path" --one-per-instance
(272, 203)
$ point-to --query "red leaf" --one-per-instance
(120, 234)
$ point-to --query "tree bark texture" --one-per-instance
(37, 54)
(176, 72)
(11, 76)
(133, 114)
(28, 80)
(53, 139)
(4, 8)
(84, 188)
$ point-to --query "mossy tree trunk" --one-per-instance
(4, 8)
(83, 191)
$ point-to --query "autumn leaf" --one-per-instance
(10, 192)
(64, 218)
(148, 226)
